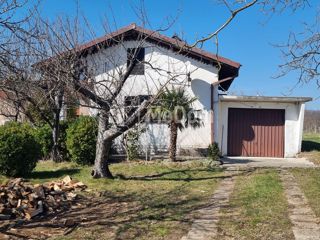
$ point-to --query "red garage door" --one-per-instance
(256, 132)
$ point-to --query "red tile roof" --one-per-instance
(156, 36)
(229, 68)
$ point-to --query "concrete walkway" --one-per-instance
(247, 162)
(205, 227)
(306, 226)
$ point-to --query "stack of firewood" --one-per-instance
(21, 199)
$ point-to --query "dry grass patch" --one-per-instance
(313, 156)
(309, 182)
(257, 209)
(311, 147)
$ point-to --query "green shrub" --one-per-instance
(132, 143)
(214, 152)
(43, 135)
(19, 150)
(81, 140)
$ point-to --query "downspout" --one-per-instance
(212, 112)
(212, 94)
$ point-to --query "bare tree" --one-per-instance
(311, 121)
(55, 66)
(302, 54)
(32, 79)
(301, 51)
(119, 107)
(234, 8)
(16, 30)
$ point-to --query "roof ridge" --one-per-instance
(133, 25)
(156, 35)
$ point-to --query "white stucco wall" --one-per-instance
(107, 63)
(294, 116)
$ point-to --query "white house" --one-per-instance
(241, 125)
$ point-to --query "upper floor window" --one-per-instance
(138, 60)
(132, 103)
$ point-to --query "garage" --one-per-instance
(259, 126)
(256, 132)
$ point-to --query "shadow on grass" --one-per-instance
(308, 146)
(53, 173)
(130, 215)
(183, 175)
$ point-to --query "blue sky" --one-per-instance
(249, 39)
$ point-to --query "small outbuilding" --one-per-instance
(257, 126)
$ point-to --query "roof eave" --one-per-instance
(228, 98)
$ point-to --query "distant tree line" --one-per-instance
(312, 121)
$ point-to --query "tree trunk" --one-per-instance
(101, 168)
(173, 141)
(55, 153)
(126, 147)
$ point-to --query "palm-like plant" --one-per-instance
(175, 108)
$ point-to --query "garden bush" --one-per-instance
(19, 150)
(81, 140)
(214, 152)
(43, 136)
(132, 144)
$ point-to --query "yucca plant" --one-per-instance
(175, 108)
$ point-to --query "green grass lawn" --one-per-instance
(258, 209)
(159, 200)
(309, 181)
(145, 201)
(312, 137)
(311, 147)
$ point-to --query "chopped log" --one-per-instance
(4, 217)
(67, 179)
(14, 182)
(69, 222)
(2, 207)
(10, 195)
(39, 191)
(34, 212)
(13, 202)
(79, 185)
(20, 199)
(19, 203)
(71, 196)
(32, 197)
(56, 187)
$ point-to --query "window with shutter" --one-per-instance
(136, 55)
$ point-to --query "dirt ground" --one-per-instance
(85, 213)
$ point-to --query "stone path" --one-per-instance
(306, 226)
(205, 227)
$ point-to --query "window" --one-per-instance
(131, 103)
(138, 60)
